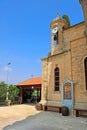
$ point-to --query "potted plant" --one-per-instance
(38, 106)
(65, 111)
(8, 102)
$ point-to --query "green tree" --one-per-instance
(66, 18)
(3, 90)
(13, 93)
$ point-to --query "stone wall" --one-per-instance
(71, 64)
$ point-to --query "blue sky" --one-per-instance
(25, 34)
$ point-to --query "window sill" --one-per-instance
(85, 92)
(57, 92)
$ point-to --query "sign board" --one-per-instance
(67, 94)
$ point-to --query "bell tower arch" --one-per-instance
(57, 26)
(84, 7)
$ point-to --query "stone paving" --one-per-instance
(11, 114)
(25, 117)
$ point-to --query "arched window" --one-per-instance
(56, 79)
(85, 63)
(56, 38)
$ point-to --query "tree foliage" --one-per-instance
(3, 90)
(66, 18)
(13, 92)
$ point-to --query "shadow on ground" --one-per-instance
(49, 121)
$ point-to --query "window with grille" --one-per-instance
(56, 79)
(85, 63)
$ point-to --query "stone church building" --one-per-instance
(64, 70)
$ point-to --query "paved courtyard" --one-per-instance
(25, 117)
(11, 114)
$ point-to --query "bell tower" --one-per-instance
(84, 7)
(57, 26)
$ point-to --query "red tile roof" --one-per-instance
(31, 81)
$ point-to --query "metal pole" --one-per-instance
(7, 81)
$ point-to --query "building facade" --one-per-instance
(64, 70)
